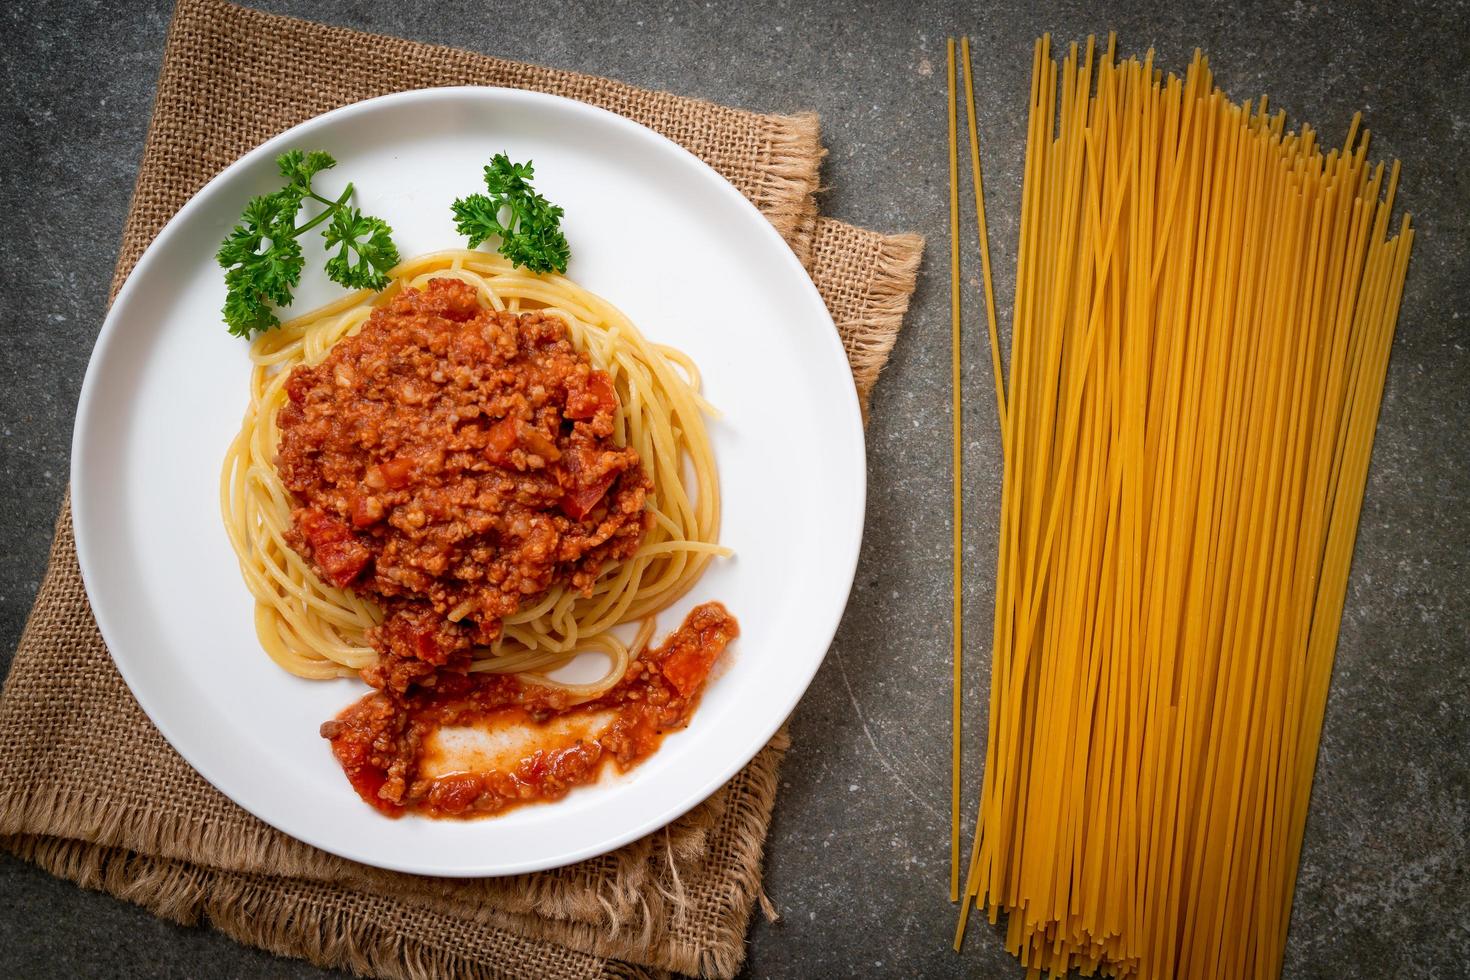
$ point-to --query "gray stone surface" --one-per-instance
(857, 857)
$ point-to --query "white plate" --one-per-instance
(655, 231)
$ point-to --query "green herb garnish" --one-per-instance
(531, 234)
(262, 258)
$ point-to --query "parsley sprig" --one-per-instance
(262, 256)
(531, 234)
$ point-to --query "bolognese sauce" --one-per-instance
(453, 463)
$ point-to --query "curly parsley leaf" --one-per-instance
(260, 280)
(298, 168)
(530, 234)
(370, 240)
(262, 256)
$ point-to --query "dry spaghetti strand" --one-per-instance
(1205, 305)
(983, 233)
(957, 467)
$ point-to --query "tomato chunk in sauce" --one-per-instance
(529, 743)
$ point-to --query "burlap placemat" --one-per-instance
(91, 791)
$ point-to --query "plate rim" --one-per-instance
(843, 571)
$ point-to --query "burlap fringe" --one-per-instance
(254, 911)
(872, 334)
(617, 921)
(616, 905)
(787, 197)
(103, 822)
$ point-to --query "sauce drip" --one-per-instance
(479, 744)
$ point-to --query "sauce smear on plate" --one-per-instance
(478, 744)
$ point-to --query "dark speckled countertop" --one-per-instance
(858, 851)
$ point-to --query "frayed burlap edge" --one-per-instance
(276, 912)
(285, 917)
(787, 195)
(867, 321)
(874, 333)
(615, 900)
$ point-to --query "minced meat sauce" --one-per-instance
(449, 459)
(453, 463)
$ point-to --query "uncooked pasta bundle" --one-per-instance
(1204, 307)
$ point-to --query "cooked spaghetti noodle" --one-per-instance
(316, 630)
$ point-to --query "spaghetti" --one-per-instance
(316, 630)
(982, 233)
(1204, 308)
(957, 466)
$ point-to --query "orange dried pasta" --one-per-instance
(1204, 307)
